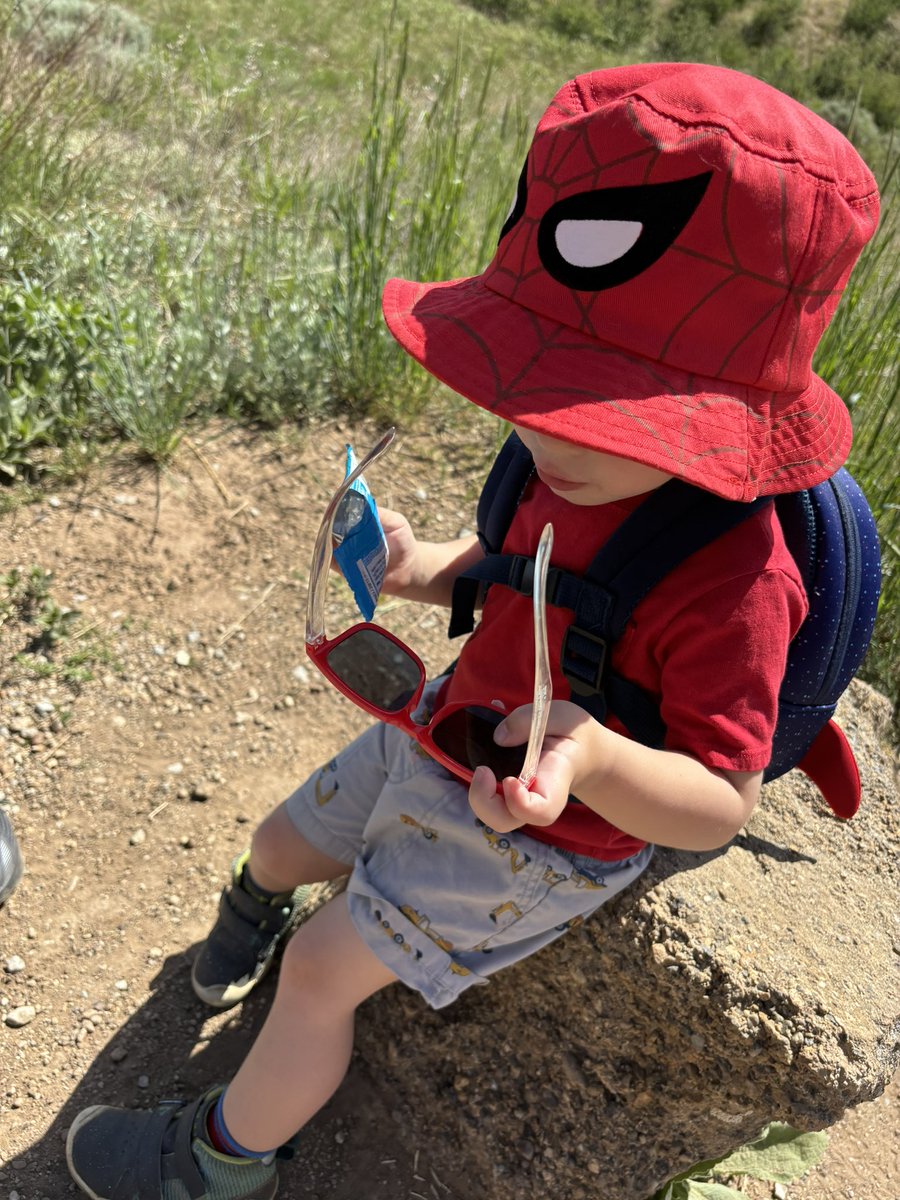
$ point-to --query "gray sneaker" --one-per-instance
(125, 1154)
(242, 944)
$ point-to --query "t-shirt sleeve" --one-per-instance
(721, 664)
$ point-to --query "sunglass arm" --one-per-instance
(543, 683)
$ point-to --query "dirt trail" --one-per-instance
(131, 793)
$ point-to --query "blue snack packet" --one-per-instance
(360, 547)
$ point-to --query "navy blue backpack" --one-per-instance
(830, 532)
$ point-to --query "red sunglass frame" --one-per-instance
(401, 718)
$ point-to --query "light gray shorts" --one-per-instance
(440, 898)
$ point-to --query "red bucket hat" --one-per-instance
(680, 238)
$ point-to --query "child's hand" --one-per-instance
(423, 571)
(565, 758)
(403, 552)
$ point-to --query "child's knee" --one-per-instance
(306, 965)
(327, 962)
(275, 840)
(264, 836)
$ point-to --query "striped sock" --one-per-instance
(221, 1140)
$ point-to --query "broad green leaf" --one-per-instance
(675, 1189)
(780, 1154)
(712, 1191)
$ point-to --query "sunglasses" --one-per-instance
(383, 676)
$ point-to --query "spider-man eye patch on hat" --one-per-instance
(680, 237)
(595, 240)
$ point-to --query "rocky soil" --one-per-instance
(139, 744)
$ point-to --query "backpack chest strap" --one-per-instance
(586, 649)
(592, 603)
(671, 524)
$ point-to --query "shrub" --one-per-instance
(867, 17)
(771, 21)
(506, 10)
(854, 122)
(867, 72)
(576, 19)
(686, 35)
(104, 33)
(45, 370)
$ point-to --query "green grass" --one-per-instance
(858, 357)
(201, 201)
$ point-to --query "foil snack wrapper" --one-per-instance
(360, 547)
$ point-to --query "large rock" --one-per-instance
(724, 991)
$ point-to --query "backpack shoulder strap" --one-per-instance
(673, 523)
(497, 504)
(502, 491)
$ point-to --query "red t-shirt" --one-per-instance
(709, 643)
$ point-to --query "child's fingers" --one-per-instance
(514, 729)
(391, 520)
(487, 805)
(529, 807)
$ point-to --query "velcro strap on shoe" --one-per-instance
(185, 1166)
(155, 1162)
(252, 911)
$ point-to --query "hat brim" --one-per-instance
(728, 438)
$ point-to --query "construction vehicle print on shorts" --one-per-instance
(508, 906)
(323, 793)
(582, 880)
(422, 922)
(578, 879)
(397, 938)
(572, 923)
(518, 859)
(429, 834)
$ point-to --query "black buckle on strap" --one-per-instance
(584, 660)
(521, 574)
(521, 577)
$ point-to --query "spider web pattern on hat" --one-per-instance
(733, 215)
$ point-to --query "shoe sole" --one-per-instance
(217, 996)
(81, 1119)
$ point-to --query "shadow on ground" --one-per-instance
(362, 1144)
(353, 1148)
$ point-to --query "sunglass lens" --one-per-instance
(467, 736)
(376, 668)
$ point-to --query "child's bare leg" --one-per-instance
(303, 1050)
(256, 910)
(281, 859)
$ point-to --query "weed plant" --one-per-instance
(45, 118)
(420, 202)
(780, 1154)
(858, 357)
(55, 646)
(106, 34)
